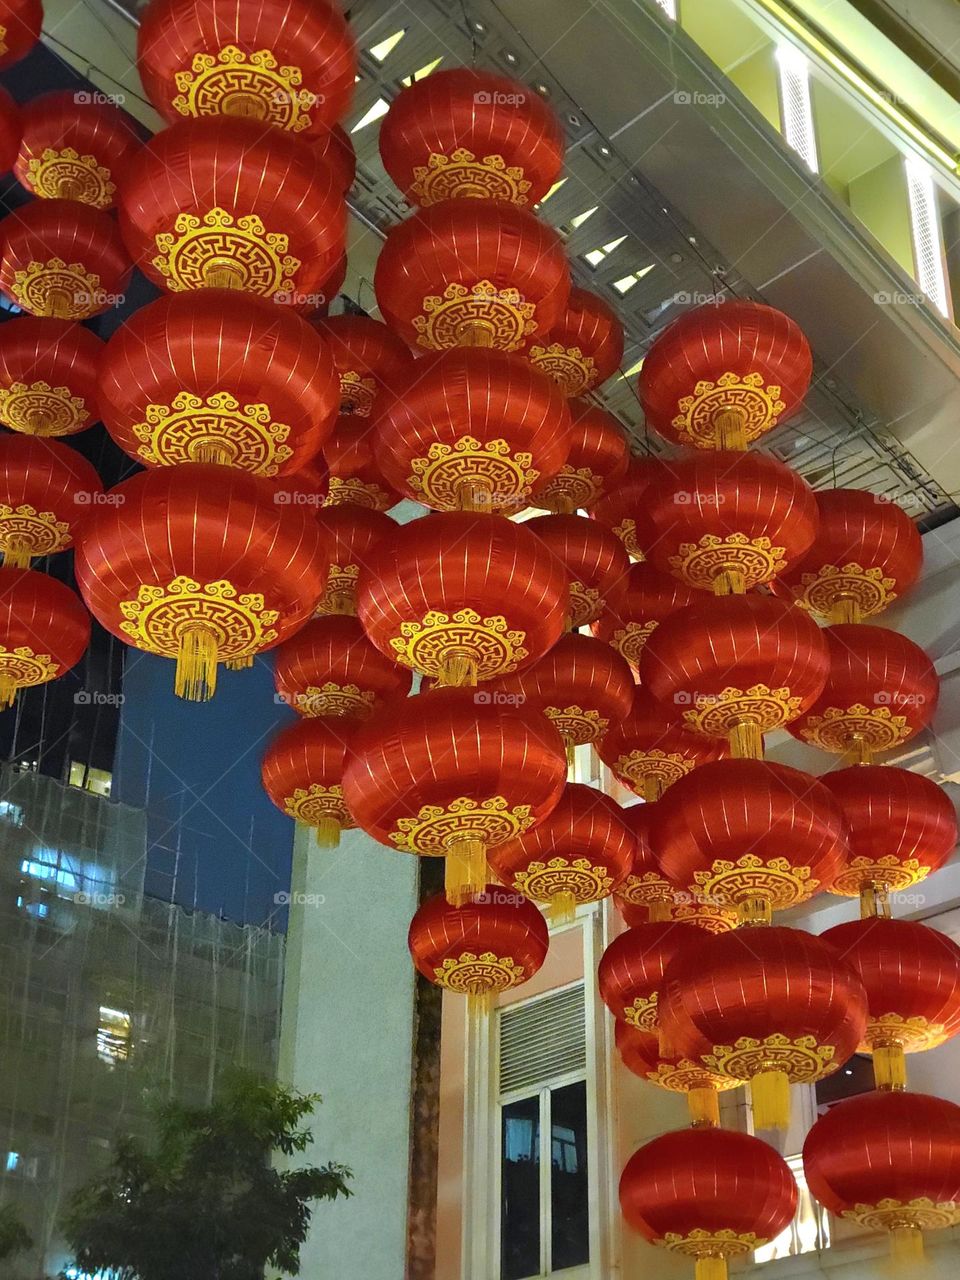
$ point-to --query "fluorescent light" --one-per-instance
(383, 50)
(795, 104)
(379, 108)
(927, 242)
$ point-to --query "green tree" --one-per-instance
(202, 1201)
(14, 1236)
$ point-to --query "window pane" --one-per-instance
(520, 1191)
(568, 1177)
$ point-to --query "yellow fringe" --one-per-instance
(755, 912)
(196, 675)
(652, 789)
(571, 754)
(731, 434)
(770, 1095)
(711, 1269)
(474, 495)
(704, 1107)
(480, 1002)
(212, 451)
(659, 911)
(465, 872)
(730, 582)
(746, 741)
(457, 671)
(563, 908)
(874, 901)
(8, 690)
(16, 556)
(475, 335)
(906, 1247)
(221, 273)
(240, 664)
(328, 833)
(846, 609)
(890, 1067)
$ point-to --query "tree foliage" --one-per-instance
(14, 1236)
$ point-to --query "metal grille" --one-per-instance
(541, 1039)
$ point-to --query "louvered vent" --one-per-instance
(542, 1039)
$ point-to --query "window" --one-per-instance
(113, 1036)
(99, 781)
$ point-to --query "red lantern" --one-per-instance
(227, 204)
(640, 1053)
(772, 1006)
(307, 488)
(902, 827)
(630, 973)
(646, 598)
(368, 358)
(201, 564)
(46, 492)
(351, 532)
(20, 23)
(444, 774)
(44, 631)
(472, 273)
(463, 597)
(330, 668)
(723, 375)
(736, 668)
(302, 773)
(11, 126)
(596, 464)
(340, 153)
(468, 134)
(579, 853)
(355, 475)
(888, 1162)
(622, 507)
(64, 259)
(196, 378)
(708, 1194)
(749, 834)
(482, 948)
(585, 346)
(881, 690)
(74, 147)
(287, 63)
(866, 554)
(596, 563)
(48, 376)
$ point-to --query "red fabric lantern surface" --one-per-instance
(912, 977)
(351, 532)
(48, 376)
(355, 475)
(196, 378)
(469, 134)
(482, 948)
(640, 1053)
(339, 152)
(20, 23)
(578, 853)
(302, 773)
(866, 554)
(463, 597)
(445, 774)
(881, 690)
(306, 488)
(223, 203)
(585, 346)
(596, 563)
(63, 259)
(888, 1162)
(708, 1194)
(472, 273)
(725, 374)
(368, 357)
(630, 972)
(44, 631)
(579, 685)
(596, 464)
(470, 429)
(750, 834)
(647, 597)
(330, 668)
(622, 507)
(736, 667)
(201, 564)
(902, 826)
(47, 491)
(11, 126)
(726, 521)
(288, 63)
(74, 147)
(769, 1005)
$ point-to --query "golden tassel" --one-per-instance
(475, 334)
(457, 671)
(874, 900)
(16, 555)
(704, 1107)
(906, 1247)
(240, 664)
(474, 495)
(858, 751)
(222, 273)
(846, 609)
(659, 911)
(731, 428)
(59, 304)
(196, 675)
(341, 603)
(711, 1269)
(746, 741)
(8, 689)
(890, 1067)
(571, 755)
(652, 788)
(730, 582)
(212, 451)
(770, 1095)
(755, 912)
(563, 907)
(480, 1002)
(466, 871)
(328, 833)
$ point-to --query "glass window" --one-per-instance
(520, 1190)
(569, 1202)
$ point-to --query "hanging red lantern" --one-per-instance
(47, 491)
(585, 346)
(596, 464)
(622, 507)
(470, 429)
(902, 827)
(630, 972)
(44, 631)
(482, 948)
(355, 475)
(330, 668)
(640, 1053)
(199, 563)
(306, 488)
(226, 204)
(463, 597)
(48, 376)
(20, 24)
(866, 554)
(74, 147)
(579, 853)
(770, 1006)
(596, 563)
(446, 775)
(736, 667)
(302, 773)
(472, 273)
(749, 834)
(708, 1194)
(339, 152)
(368, 357)
(881, 690)
(888, 1162)
(647, 597)
(350, 533)
(11, 126)
(196, 378)
(725, 374)
(63, 259)
(287, 63)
